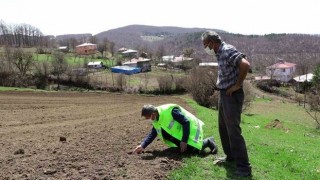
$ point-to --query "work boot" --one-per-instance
(223, 160)
(209, 142)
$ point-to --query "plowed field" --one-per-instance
(67, 135)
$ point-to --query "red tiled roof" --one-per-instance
(282, 65)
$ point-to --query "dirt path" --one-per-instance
(101, 129)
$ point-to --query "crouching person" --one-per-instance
(176, 127)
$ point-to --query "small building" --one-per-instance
(282, 71)
(300, 80)
(122, 49)
(143, 63)
(96, 65)
(130, 53)
(86, 49)
(167, 58)
(64, 49)
(208, 64)
(180, 59)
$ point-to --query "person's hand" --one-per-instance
(232, 89)
(183, 146)
(139, 149)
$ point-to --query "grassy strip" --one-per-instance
(290, 151)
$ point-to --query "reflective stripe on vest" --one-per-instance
(196, 138)
(171, 124)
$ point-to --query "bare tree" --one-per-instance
(160, 52)
(102, 48)
(22, 61)
(111, 48)
(187, 52)
(314, 101)
(59, 65)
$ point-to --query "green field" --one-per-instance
(289, 152)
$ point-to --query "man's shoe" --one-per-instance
(222, 160)
(243, 173)
(209, 142)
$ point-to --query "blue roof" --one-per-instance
(125, 70)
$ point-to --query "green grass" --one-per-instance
(290, 152)
(70, 58)
(17, 89)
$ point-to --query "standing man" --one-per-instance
(232, 70)
(176, 127)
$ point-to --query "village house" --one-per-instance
(86, 49)
(302, 81)
(176, 60)
(130, 53)
(282, 71)
(63, 49)
(143, 63)
(96, 65)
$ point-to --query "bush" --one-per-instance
(180, 84)
(165, 84)
(121, 82)
(267, 85)
(248, 95)
(314, 101)
(201, 85)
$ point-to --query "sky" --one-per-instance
(258, 17)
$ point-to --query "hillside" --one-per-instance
(262, 50)
(136, 37)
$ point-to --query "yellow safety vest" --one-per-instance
(174, 128)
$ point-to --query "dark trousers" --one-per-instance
(233, 143)
(190, 149)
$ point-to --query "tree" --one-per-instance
(314, 97)
(160, 52)
(187, 52)
(102, 48)
(22, 61)
(111, 48)
(316, 76)
(314, 101)
(59, 65)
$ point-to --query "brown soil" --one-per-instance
(275, 124)
(80, 136)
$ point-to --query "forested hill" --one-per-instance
(262, 50)
(148, 37)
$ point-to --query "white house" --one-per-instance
(300, 80)
(306, 77)
(167, 58)
(95, 65)
(208, 64)
(282, 71)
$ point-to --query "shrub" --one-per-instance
(165, 84)
(180, 84)
(314, 101)
(201, 85)
(121, 82)
(248, 95)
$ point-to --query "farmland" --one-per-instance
(90, 135)
(100, 129)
